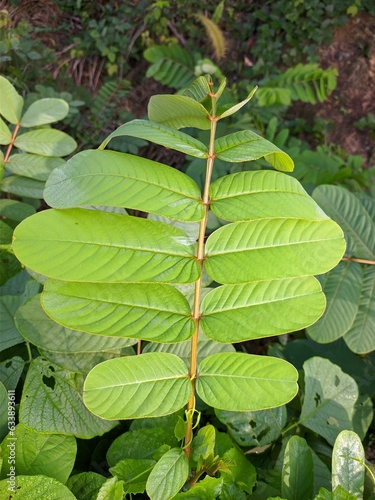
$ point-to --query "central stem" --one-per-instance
(198, 284)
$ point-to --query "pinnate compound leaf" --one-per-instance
(11, 103)
(121, 388)
(348, 211)
(115, 179)
(246, 145)
(150, 311)
(242, 382)
(348, 463)
(360, 338)
(94, 246)
(40, 330)
(330, 397)
(178, 111)
(254, 428)
(260, 194)
(168, 476)
(234, 313)
(38, 453)
(298, 471)
(46, 142)
(32, 487)
(273, 248)
(342, 288)
(52, 403)
(160, 134)
(45, 111)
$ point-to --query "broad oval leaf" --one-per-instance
(45, 111)
(23, 186)
(148, 311)
(11, 103)
(234, 313)
(360, 338)
(244, 382)
(15, 210)
(348, 463)
(40, 330)
(273, 248)
(298, 470)
(33, 166)
(260, 194)
(160, 134)
(115, 179)
(168, 476)
(46, 142)
(148, 385)
(178, 111)
(46, 454)
(342, 287)
(94, 246)
(357, 223)
(246, 145)
(330, 396)
(51, 402)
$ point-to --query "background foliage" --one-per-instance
(105, 60)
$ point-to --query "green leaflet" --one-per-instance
(261, 194)
(238, 106)
(348, 463)
(45, 111)
(148, 311)
(46, 142)
(273, 248)
(342, 287)
(234, 313)
(5, 133)
(160, 134)
(244, 382)
(11, 103)
(46, 454)
(51, 402)
(115, 179)
(298, 470)
(120, 388)
(356, 221)
(23, 186)
(168, 476)
(246, 145)
(31, 487)
(95, 246)
(178, 111)
(33, 166)
(330, 396)
(39, 329)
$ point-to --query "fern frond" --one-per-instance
(305, 82)
(215, 35)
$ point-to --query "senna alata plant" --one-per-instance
(114, 274)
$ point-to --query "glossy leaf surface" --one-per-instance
(120, 388)
(260, 194)
(31, 487)
(273, 248)
(168, 476)
(348, 463)
(160, 134)
(153, 312)
(234, 313)
(246, 145)
(94, 246)
(242, 382)
(115, 179)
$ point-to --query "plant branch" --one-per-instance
(361, 261)
(198, 285)
(10, 146)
